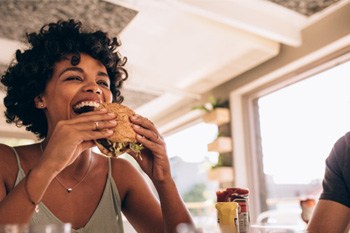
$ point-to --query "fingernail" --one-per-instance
(114, 122)
(111, 114)
(108, 131)
(103, 110)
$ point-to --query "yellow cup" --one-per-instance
(227, 216)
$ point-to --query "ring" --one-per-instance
(96, 125)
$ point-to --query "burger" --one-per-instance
(123, 139)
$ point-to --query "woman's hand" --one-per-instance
(154, 162)
(71, 137)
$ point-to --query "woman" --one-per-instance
(61, 179)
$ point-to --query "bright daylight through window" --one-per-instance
(190, 164)
(299, 125)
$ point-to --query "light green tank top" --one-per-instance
(107, 217)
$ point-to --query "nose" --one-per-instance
(93, 88)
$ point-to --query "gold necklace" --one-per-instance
(70, 189)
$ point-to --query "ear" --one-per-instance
(39, 102)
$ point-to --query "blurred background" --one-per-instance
(246, 93)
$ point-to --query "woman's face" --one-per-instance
(74, 86)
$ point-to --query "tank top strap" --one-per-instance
(20, 173)
(109, 167)
(18, 160)
(115, 197)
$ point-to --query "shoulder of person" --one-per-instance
(122, 166)
(8, 161)
(339, 154)
(7, 154)
(345, 138)
(127, 176)
(342, 143)
(126, 172)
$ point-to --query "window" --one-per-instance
(299, 125)
(190, 163)
(286, 129)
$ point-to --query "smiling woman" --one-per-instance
(54, 89)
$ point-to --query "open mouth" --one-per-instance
(85, 106)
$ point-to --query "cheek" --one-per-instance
(60, 98)
(108, 96)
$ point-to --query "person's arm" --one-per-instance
(69, 139)
(173, 208)
(332, 212)
(141, 207)
(155, 164)
(17, 206)
(139, 204)
(329, 216)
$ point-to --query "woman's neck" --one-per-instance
(79, 167)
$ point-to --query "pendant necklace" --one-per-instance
(70, 189)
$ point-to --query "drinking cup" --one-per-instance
(50, 228)
(14, 228)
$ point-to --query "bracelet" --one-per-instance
(27, 192)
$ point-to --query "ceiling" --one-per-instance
(177, 50)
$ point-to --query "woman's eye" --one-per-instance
(103, 83)
(74, 78)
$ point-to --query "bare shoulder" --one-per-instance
(4, 148)
(7, 157)
(126, 175)
(8, 165)
(123, 168)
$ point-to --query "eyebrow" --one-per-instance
(80, 70)
(100, 73)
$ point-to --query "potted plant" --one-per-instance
(221, 172)
(216, 111)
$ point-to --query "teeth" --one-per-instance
(87, 103)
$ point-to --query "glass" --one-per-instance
(185, 228)
(50, 228)
(276, 229)
(13, 228)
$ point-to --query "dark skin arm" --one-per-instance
(329, 216)
(69, 139)
(23, 209)
(140, 206)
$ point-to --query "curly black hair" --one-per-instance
(29, 73)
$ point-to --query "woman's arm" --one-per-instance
(155, 164)
(329, 216)
(68, 140)
(173, 208)
(145, 211)
(16, 206)
(139, 204)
